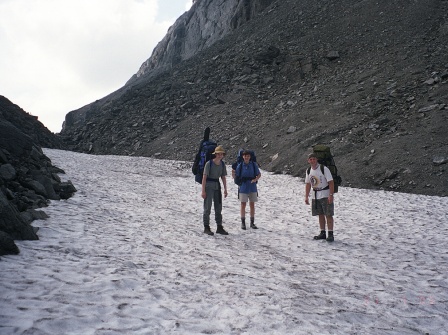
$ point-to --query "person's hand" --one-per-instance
(203, 194)
(225, 193)
(330, 199)
(307, 201)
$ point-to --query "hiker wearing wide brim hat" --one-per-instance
(322, 205)
(219, 150)
(211, 190)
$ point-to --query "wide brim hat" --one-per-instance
(219, 150)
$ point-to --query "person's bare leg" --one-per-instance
(243, 215)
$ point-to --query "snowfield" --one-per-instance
(127, 255)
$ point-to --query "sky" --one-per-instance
(127, 255)
(59, 55)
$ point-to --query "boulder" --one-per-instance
(7, 245)
(28, 180)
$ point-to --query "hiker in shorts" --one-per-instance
(211, 190)
(322, 205)
(249, 173)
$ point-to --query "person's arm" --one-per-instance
(307, 193)
(330, 182)
(257, 173)
(331, 186)
(204, 180)
(256, 178)
(224, 183)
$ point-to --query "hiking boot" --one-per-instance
(253, 226)
(207, 230)
(321, 236)
(330, 238)
(243, 226)
(220, 230)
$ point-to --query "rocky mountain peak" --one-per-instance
(199, 28)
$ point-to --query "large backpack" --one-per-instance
(205, 153)
(324, 157)
(239, 159)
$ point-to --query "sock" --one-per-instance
(330, 233)
(243, 220)
(252, 220)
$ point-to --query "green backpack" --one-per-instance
(324, 157)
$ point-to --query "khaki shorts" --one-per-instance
(322, 207)
(252, 197)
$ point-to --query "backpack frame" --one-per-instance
(325, 158)
(205, 153)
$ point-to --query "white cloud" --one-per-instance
(59, 55)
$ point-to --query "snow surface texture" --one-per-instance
(127, 255)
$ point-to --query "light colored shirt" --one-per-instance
(319, 181)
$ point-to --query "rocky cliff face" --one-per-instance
(207, 22)
(367, 78)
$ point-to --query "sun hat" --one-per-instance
(219, 150)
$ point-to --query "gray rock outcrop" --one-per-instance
(205, 23)
(28, 180)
